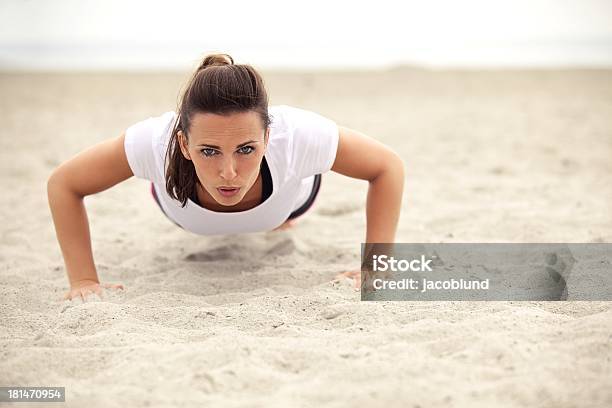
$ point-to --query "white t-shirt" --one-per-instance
(301, 144)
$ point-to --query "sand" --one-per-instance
(253, 320)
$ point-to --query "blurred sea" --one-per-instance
(170, 56)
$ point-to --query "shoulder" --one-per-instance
(152, 127)
(146, 142)
(311, 139)
(163, 125)
(301, 126)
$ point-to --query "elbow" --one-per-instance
(55, 184)
(394, 167)
(399, 165)
(399, 171)
(52, 184)
(55, 177)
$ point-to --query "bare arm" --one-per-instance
(91, 171)
(362, 157)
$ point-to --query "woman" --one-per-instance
(224, 163)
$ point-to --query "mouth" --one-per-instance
(228, 191)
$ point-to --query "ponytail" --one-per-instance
(215, 60)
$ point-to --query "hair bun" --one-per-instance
(216, 60)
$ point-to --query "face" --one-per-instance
(226, 151)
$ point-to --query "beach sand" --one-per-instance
(253, 320)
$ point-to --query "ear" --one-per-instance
(183, 144)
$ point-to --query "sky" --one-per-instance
(170, 35)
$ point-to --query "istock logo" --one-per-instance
(384, 263)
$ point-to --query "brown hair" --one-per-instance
(220, 87)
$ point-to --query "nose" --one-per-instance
(228, 168)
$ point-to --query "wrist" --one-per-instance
(82, 282)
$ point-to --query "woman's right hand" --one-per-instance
(82, 289)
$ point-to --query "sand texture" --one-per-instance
(253, 320)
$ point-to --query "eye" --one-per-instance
(208, 152)
(249, 149)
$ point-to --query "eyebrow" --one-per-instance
(237, 147)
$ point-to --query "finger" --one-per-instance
(90, 293)
(348, 274)
(85, 293)
(99, 292)
(113, 285)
